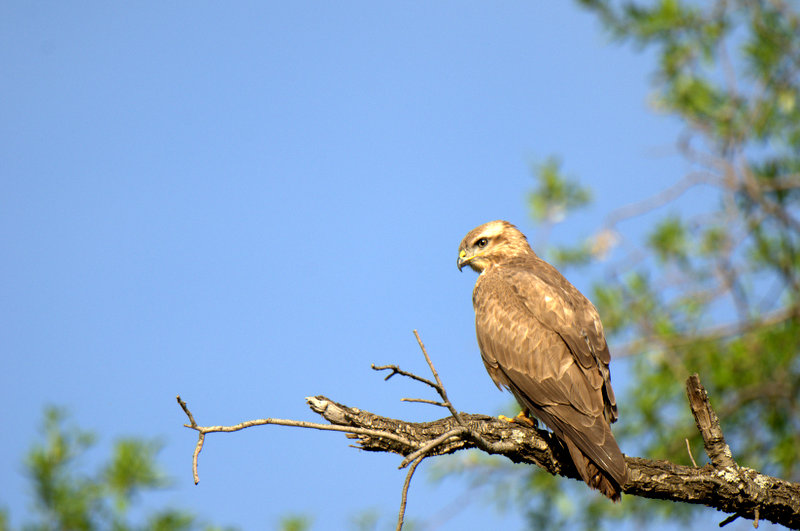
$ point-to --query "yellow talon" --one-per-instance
(521, 418)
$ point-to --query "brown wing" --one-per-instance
(525, 349)
(560, 307)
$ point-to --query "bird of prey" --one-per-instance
(541, 339)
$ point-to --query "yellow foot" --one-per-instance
(521, 418)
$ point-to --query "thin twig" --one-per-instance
(659, 199)
(423, 450)
(301, 424)
(751, 187)
(404, 496)
(689, 449)
(428, 359)
(424, 401)
(397, 370)
(439, 386)
(200, 439)
(480, 441)
(186, 410)
(203, 430)
(728, 520)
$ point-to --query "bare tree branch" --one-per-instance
(660, 199)
(708, 424)
(722, 484)
(203, 430)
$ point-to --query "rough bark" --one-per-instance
(722, 484)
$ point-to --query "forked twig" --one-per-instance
(439, 386)
(200, 439)
(203, 430)
(423, 450)
(404, 497)
(397, 370)
(440, 389)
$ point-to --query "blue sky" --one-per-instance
(250, 203)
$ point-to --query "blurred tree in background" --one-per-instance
(714, 290)
(66, 498)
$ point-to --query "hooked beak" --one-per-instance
(462, 259)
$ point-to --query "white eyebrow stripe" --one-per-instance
(492, 230)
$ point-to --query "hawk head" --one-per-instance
(490, 244)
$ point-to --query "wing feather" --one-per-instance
(541, 342)
(560, 307)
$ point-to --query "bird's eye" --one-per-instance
(482, 242)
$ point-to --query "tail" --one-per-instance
(594, 476)
(588, 439)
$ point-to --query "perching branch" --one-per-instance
(203, 430)
(708, 424)
(722, 484)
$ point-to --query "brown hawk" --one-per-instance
(542, 339)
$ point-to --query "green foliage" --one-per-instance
(66, 497)
(715, 292)
(555, 193)
(295, 523)
(132, 466)
(669, 240)
(554, 196)
(571, 256)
